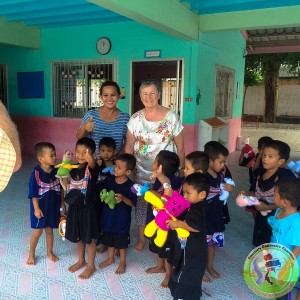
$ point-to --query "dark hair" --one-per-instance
(282, 148)
(147, 83)
(198, 181)
(108, 141)
(129, 159)
(39, 147)
(169, 161)
(199, 160)
(214, 149)
(89, 143)
(263, 141)
(110, 83)
(289, 189)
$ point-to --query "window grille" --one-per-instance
(76, 85)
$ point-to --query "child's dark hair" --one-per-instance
(169, 162)
(110, 83)
(129, 159)
(198, 181)
(214, 149)
(263, 141)
(289, 189)
(39, 147)
(199, 160)
(282, 148)
(87, 142)
(109, 142)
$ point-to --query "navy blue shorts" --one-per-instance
(116, 240)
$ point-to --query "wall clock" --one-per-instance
(103, 45)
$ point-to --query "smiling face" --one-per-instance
(110, 97)
(80, 154)
(149, 96)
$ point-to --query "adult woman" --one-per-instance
(150, 130)
(107, 120)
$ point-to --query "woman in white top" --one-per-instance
(149, 131)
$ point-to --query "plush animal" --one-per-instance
(294, 166)
(168, 211)
(109, 169)
(139, 189)
(248, 151)
(243, 200)
(225, 194)
(108, 198)
(62, 227)
(66, 165)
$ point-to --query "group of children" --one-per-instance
(184, 264)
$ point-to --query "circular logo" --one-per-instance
(271, 270)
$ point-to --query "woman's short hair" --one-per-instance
(147, 83)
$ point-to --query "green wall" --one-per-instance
(129, 41)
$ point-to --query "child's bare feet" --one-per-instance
(214, 274)
(30, 261)
(76, 266)
(52, 257)
(106, 263)
(102, 248)
(206, 278)
(139, 246)
(165, 282)
(156, 269)
(87, 273)
(121, 269)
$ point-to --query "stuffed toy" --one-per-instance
(168, 211)
(62, 227)
(66, 165)
(109, 169)
(139, 189)
(108, 198)
(248, 151)
(295, 167)
(243, 200)
(225, 194)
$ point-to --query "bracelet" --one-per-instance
(180, 168)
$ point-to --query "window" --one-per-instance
(224, 91)
(76, 85)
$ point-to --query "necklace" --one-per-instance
(109, 116)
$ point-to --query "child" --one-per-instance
(215, 227)
(285, 223)
(83, 213)
(46, 200)
(165, 165)
(115, 223)
(274, 156)
(190, 262)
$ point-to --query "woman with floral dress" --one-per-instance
(150, 130)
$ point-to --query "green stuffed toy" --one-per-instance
(108, 198)
(65, 166)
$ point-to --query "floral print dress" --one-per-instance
(150, 139)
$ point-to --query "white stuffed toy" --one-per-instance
(225, 194)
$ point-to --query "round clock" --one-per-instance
(103, 45)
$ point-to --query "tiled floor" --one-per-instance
(52, 280)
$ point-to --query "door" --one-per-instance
(3, 84)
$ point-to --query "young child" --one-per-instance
(275, 154)
(285, 223)
(115, 223)
(190, 262)
(215, 227)
(165, 166)
(46, 199)
(83, 216)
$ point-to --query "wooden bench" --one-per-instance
(251, 120)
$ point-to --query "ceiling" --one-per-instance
(60, 13)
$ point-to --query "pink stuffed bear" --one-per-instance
(175, 206)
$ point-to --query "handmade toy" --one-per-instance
(62, 227)
(225, 194)
(248, 151)
(139, 189)
(294, 166)
(109, 169)
(108, 198)
(66, 165)
(173, 208)
(243, 200)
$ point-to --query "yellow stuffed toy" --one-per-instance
(175, 206)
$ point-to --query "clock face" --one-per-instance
(103, 45)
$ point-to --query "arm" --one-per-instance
(37, 211)
(10, 129)
(241, 158)
(129, 146)
(262, 207)
(178, 140)
(180, 224)
(258, 160)
(120, 197)
(296, 251)
(88, 126)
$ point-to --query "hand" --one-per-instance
(89, 125)
(119, 197)
(228, 187)
(171, 224)
(38, 213)
(168, 190)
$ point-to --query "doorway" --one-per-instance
(168, 73)
(3, 84)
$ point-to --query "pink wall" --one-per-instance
(234, 132)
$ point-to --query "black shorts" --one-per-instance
(116, 240)
(184, 291)
(163, 252)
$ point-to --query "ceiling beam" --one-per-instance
(168, 16)
(16, 34)
(251, 19)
